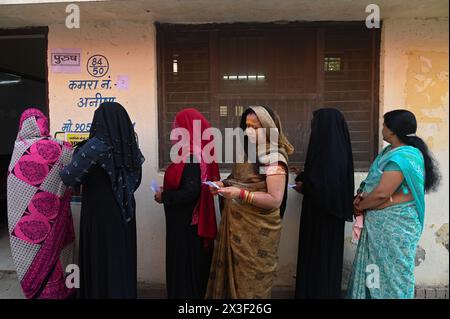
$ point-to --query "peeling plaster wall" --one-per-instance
(414, 74)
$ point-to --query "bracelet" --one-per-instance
(246, 196)
(247, 193)
(252, 194)
(242, 194)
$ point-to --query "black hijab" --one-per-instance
(328, 176)
(112, 125)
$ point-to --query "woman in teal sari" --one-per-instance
(391, 199)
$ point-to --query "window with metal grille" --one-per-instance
(294, 68)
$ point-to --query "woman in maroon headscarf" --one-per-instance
(189, 207)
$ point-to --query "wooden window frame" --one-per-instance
(213, 30)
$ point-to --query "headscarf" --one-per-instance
(41, 121)
(39, 218)
(328, 174)
(112, 125)
(282, 148)
(275, 152)
(204, 212)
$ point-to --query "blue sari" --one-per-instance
(384, 262)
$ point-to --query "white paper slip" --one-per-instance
(154, 186)
(212, 184)
(292, 185)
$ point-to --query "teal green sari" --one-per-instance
(384, 262)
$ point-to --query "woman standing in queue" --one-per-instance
(189, 209)
(246, 256)
(108, 166)
(392, 201)
(327, 185)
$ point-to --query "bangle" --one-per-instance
(242, 194)
(247, 193)
(246, 196)
(252, 194)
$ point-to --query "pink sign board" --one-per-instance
(66, 60)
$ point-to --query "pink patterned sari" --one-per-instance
(39, 217)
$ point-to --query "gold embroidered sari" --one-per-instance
(246, 255)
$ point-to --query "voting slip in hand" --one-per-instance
(212, 184)
(154, 186)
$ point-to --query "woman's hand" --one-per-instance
(158, 196)
(298, 180)
(213, 190)
(357, 200)
(231, 192)
(357, 211)
(390, 181)
(298, 186)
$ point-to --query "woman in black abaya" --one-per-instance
(327, 184)
(108, 165)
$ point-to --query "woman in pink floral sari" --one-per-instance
(39, 217)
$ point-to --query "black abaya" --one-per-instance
(328, 186)
(108, 166)
(320, 254)
(107, 255)
(187, 261)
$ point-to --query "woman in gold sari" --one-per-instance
(246, 255)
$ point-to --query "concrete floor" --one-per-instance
(10, 289)
(9, 283)
(10, 286)
(6, 262)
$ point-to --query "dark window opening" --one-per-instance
(296, 68)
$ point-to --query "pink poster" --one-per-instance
(123, 82)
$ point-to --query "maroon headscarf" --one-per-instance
(204, 213)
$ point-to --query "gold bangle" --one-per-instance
(244, 197)
(252, 194)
